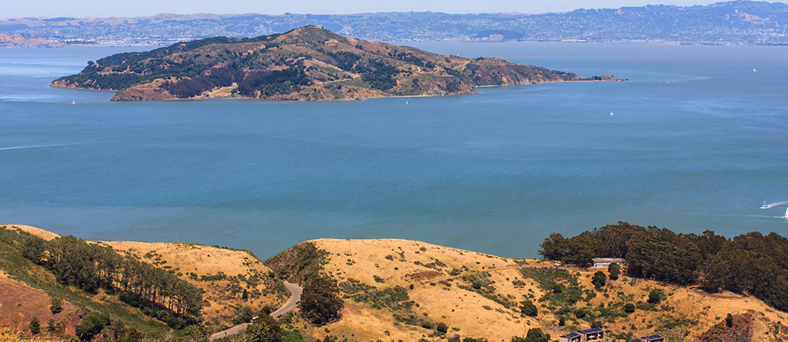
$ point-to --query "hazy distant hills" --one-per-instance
(737, 22)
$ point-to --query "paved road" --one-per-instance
(295, 298)
(229, 332)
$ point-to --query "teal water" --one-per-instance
(697, 141)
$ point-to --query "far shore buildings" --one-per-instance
(605, 262)
(593, 334)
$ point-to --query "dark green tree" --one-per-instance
(729, 321)
(529, 309)
(655, 296)
(614, 270)
(91, 326)
(35, 325)
(320, 302)
(56, 305)
(599, 280)
(629, 308)
(264, 329)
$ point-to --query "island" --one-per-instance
(309, 63)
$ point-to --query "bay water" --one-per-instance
(697, 139)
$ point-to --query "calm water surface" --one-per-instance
(697, 141)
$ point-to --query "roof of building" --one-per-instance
(590, 331)
(654, 337)
(636, 340)
(608, 259)
(571, 335)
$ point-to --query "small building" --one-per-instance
(649, 338)
(570, 337)
(588, 335)
(593, 334)
(605, 262)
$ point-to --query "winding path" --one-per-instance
(295, 298)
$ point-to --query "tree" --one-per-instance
(536, 335)
(91, 326)
(553, 247)
(729, 321)
(599, 280)
(655, 296)
(442, 328)
(264, 329)
(320, 301)
(245, 295)
(35, 325)
(629, 308)
(56, 305)
(614, 270)
(529, 309)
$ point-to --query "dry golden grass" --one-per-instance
(385, 263)
(200, 260)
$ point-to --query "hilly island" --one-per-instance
(307, 64)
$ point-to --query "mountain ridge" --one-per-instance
(734, 22)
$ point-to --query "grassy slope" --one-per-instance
(476, 295)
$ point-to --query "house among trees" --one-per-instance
(649, 338)
(605, 262)
(588, 335)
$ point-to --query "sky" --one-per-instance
(106, 8)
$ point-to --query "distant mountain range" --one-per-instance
(736, 22)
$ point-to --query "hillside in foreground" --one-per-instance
(407, 290)
(308, 64)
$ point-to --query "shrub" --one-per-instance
(35, 325)
(599, 280)
(614, 270)
(91, 326)
(442, 327)
(265, 329)
(56, 305)
(529, 309)
(655, 296)
(629, 308)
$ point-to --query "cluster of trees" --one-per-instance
(191, 87)
(750, 263)
(320, 301)
(274, 82)
(91, 266)
(378, 74)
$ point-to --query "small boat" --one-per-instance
(73, 102)
(753, 70)
(764, 206)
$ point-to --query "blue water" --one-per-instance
(697, 141)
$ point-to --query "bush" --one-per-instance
(629, 308)
(442, 327)
(655, 296)
(91, 326)
(529, 309)
(265, 329)
(614, 270)
(56, 305)
(35, 325)
(599, 280)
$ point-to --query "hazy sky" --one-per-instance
(104, 8)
